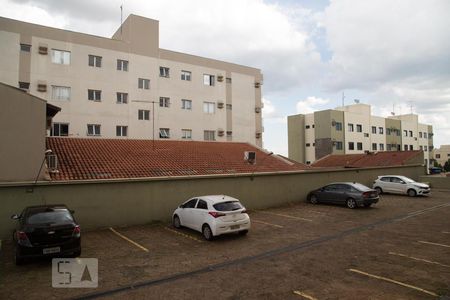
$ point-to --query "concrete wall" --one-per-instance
(436, 182)
(296, 137)
(22, 134)
(119, 203)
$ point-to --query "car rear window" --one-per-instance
(49, 216)
(227, 206)
(360, 187)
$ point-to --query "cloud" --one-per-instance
(310, 105)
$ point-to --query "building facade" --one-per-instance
(442, 154)
(128, 87)
(352, 129)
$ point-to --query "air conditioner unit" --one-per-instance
(258, 135)
(43, 50)
(257, 110)
(257, 85)
(250, 156)
(415, 139)
(220, 104)
(220, 78)
(42, 87)
(220, 132)
(229, 133)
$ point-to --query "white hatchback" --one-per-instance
(212, 215)
(400, 185)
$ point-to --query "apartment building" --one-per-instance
(442, 154)
(353, 129)
(128, 87)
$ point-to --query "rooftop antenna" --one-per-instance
(343, 97)
(393, 109)
(121, 18)
(411, 106)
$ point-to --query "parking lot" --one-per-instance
(397, 249)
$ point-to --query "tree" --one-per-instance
(447, 166)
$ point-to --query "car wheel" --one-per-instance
(176, 222)
(351, 203)
(243, 232)
(313, 199)
(367, 205)
(18, 259)
(379, 190)
(412, 193)
(207, 233)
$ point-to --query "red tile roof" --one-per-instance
(377, 159)
(83, 159)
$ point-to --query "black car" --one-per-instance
(352, 194)
(46, 230)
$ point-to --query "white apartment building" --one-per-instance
(128, 87)
(442, 154)
(353, 129)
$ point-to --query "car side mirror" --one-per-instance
(181, 206)
(15, 217)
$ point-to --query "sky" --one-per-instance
(393, 55)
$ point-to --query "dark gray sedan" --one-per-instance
(352, 194)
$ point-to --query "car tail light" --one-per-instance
(367, 194)
(76, 231)
(216, 214)
(22, 239)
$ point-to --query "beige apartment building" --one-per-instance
(128, 87)
(353, 129)
(442, 154)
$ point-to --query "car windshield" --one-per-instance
(227, 206)
(49, 216)
(406, 179)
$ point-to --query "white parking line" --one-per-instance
(435, 244)
(285, 216)
(422, 211)
(395, 281)
(419, 259)
(128, 240)
(304, 295)
(446, 232)
(266, 223)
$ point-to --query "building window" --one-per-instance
(398, 132)
(60, 92)
(420, 134)
(410, 133)
(338, 126)
(307, 126)
(163, 72)
(380, 130)
(358, 128)
(338, 145)
(350, 127)
(388, 131)
(405, 147)
(308, 144)
(208, 79)
(164, 102)
(122, 98)
(186, 104)
(439, 156)
(95, 61)
(405, 132)
(60, 57)
(366, 135)
(209, 135)
(144, 83)
(93, 129)
(95, 95)
(186, 75)
(208, 107)
(229, 106)
(59, 129)
(25, 47)
(351, 146)
(359, 146)
(421, 148)
(424, 135)
(143, 114)
(381, 145)
(122, 65)
(374, 146)
(24, 85)
(121, 130)
(374, 129)
(411, 148)
(308, 162)
(186, 134)
(425, 148)
(164, 133)
(388, 147)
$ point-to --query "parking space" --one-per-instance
(399, 248)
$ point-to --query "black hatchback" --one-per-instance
(46, 231)
(352, 194)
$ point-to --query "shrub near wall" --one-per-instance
(106, 203)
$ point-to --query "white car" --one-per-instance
(400, 185)
(212, 215)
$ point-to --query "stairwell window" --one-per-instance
(164, 133)
(208, 79)
(60, 57)
(93, 129)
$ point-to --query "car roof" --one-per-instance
(217, 198)
(47, 206)
(348, 182)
